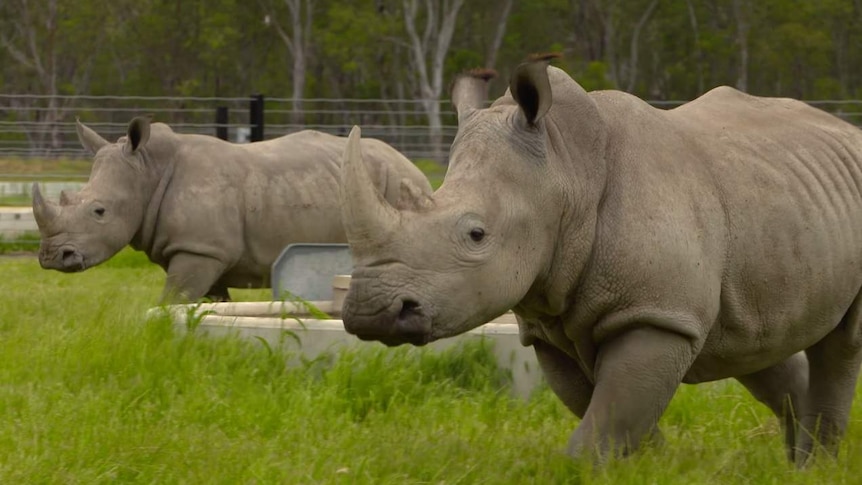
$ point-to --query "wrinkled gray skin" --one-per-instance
(639, 248)
(213, 214)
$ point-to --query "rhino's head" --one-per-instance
(485, 241)
(88, 227)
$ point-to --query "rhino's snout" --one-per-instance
(66, 259)
(403, 323)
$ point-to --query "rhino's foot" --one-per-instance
(819, 436)
(191, 277)
(617, 447)
(833, 364)
(218, 293)
(783, 388)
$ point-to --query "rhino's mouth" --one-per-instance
(405, 322)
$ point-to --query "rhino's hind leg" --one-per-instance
(833, 370)
(190, 277)
(637, 374)
(782, 388)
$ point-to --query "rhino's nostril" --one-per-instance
(409, 308)
(68, 254)
(412, 325)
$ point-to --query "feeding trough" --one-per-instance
(313, 315)
(15, 221)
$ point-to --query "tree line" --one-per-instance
(397, 49)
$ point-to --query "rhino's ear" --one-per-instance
(470, 90)
(138, 133)
(90, 140)
(531, 88)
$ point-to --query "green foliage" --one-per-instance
(594, 77)
(361, 49)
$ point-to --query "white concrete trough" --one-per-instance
(269, 321)
(15, 221)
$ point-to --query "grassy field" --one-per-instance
(58, 169)
(91, 392)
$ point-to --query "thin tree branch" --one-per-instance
(499, 33)
(418, 56)
(633, 59)
(272, 19)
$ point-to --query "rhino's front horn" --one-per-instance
(43, 211)
(365, 213)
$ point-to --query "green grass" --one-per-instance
(59, 169)
(435, 171)
(27, 242)
(91, 392)
(17, 200)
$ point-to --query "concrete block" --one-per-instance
(15, 221)
(268, 321)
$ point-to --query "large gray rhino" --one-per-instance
(213, 214)
(639, 249)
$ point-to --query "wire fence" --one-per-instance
(42, 126)
(37, 126)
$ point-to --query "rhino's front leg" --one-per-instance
(564, 377)
(190, 277)
(637, 374)
(783, 388)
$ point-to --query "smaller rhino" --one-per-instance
(213, 214)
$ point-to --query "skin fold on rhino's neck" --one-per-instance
(144, 238)
(578, 165)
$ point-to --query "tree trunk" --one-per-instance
(741, 9)
(434, 42)
(298, 76)
(499, 33)
(635, 44)
(698, 54)
(608, 42)
(298, 43)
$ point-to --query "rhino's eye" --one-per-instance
(99, 211)
(477, 234)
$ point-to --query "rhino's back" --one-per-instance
(790, 176)
(753, 204)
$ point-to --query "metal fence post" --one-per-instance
(256, 117)
(221, 122)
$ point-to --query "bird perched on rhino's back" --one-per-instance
(640, 248)
(213, 214)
